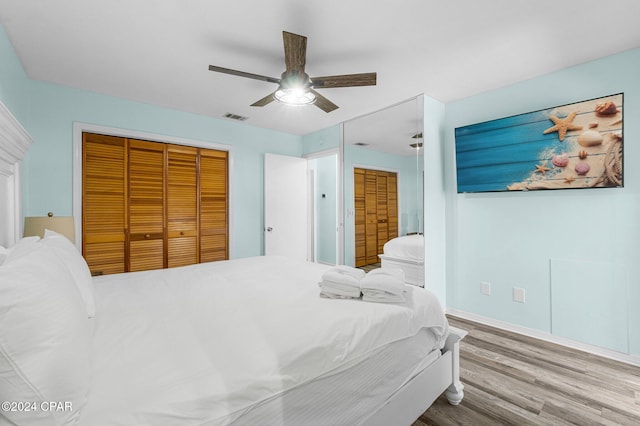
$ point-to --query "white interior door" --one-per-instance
(285, 206)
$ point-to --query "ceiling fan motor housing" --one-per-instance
(295, 79)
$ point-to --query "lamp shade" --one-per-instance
(61, 224)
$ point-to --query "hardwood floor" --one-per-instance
(510, 379)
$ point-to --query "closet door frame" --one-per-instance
(79, 128)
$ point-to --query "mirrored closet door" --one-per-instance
(383, 179)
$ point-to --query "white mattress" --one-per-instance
(408, 247)
(204, 344)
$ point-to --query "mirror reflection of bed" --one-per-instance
(406, 253)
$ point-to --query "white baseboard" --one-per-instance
(548, 337)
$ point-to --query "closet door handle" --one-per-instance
(147, 236)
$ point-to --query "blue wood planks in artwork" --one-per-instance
(494, 154)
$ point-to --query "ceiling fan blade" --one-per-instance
(295, 51)
(323, 103)
(347, 80)
(264, 101)
(244, 74)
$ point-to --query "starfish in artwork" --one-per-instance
(569, 179)
(563, 125)
(542, 168)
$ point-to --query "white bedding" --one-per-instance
(203, 343)
(350, 397)
(409, 247)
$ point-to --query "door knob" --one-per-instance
(269, 229)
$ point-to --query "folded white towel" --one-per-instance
(341, 273)
(382, 296)
(341, 282)
(384, 285)
(340, 289)
(332, 294)
(390, 280)
(336, 277)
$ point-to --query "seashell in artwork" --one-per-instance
(583, 154)
(606, 108)
(590, 138)
(560, 160)
(582, 168)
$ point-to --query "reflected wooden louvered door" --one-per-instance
(104, 203)
(376, 213)
(146, 205)
(371, 215)
(214, 220)
(392, 206)
(182, 205)
(360, 217)
(382, 211)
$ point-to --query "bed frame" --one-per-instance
(402, 408)
(417, 395)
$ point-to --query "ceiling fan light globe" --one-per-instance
(294, 96)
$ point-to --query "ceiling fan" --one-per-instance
(295, 87)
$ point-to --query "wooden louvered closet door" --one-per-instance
(376, 213)
(104, 201)
(146, 206)
(182, 205)
(214, 230)
(150, 205)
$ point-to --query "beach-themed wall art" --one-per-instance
(577, 145)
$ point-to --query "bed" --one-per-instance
(245, 341)
(233, 342)
(407, 253)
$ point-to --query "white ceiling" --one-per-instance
(158, 52)
(390, 130)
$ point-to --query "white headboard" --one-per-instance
(14, 143)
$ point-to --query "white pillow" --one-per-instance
(78, 267)
(45, 339)
(23, 247)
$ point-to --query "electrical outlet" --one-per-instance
(485, 288)
(518, 294)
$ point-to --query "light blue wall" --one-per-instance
(14, 84)
(326, 197)
(407, 187)
(321, 140)
(48, 111)
(326, 169)
(513, 239)
(435, 236)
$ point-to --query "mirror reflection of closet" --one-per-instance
(377, 147)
